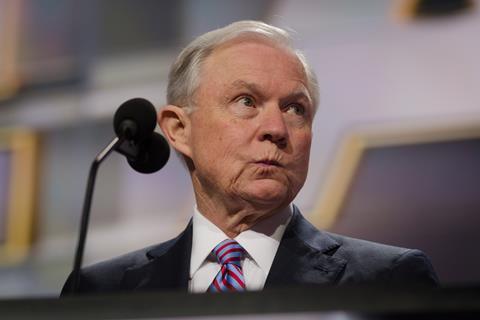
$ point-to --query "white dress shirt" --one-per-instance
(260, 243)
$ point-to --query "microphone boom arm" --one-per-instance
(87, 203)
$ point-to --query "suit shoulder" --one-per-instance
(376, 262)
(353, 248)
(128, 260)
(342, 246)
(106, 276)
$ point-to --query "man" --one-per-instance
(241, 103)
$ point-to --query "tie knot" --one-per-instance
(229, 251)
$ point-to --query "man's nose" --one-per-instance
(273, 128)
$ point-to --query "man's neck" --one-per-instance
(233, 220)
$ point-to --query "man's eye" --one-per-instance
(247, 101)
(296, 108)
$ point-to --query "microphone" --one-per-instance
(135, 120)
(146, 151)
(152, 156)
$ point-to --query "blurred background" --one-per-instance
(396, 150)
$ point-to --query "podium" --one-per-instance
(283, 303)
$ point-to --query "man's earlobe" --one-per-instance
(175, 125)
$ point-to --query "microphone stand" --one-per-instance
(87, 203)
(122, 145)
(134, 121)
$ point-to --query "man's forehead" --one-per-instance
(254, 64)
(253, 56)
(297, 92)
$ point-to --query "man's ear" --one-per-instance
(175, 124)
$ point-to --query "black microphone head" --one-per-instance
(153, 155)
(135, 119)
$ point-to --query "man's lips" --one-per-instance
(268, 163)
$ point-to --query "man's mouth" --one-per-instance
(269, 163)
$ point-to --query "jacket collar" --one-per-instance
(305, 256)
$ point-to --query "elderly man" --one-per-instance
(241, 103)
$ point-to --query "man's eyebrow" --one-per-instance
(240, 84)
(298, 95)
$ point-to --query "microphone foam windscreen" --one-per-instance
(141, 112)
(153, 155)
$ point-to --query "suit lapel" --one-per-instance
(168, 267)
(305, 256)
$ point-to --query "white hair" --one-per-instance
(184, 75)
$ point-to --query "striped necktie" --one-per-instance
(229, 255)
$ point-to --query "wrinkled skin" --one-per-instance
(247, 142)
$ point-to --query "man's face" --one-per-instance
(251, 126)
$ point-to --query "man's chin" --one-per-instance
(267, 192)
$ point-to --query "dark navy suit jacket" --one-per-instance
(305, 256)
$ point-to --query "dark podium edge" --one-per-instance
(370, 303)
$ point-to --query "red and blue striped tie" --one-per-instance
(230, 277)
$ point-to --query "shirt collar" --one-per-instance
(206, 236)
(261, 241)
